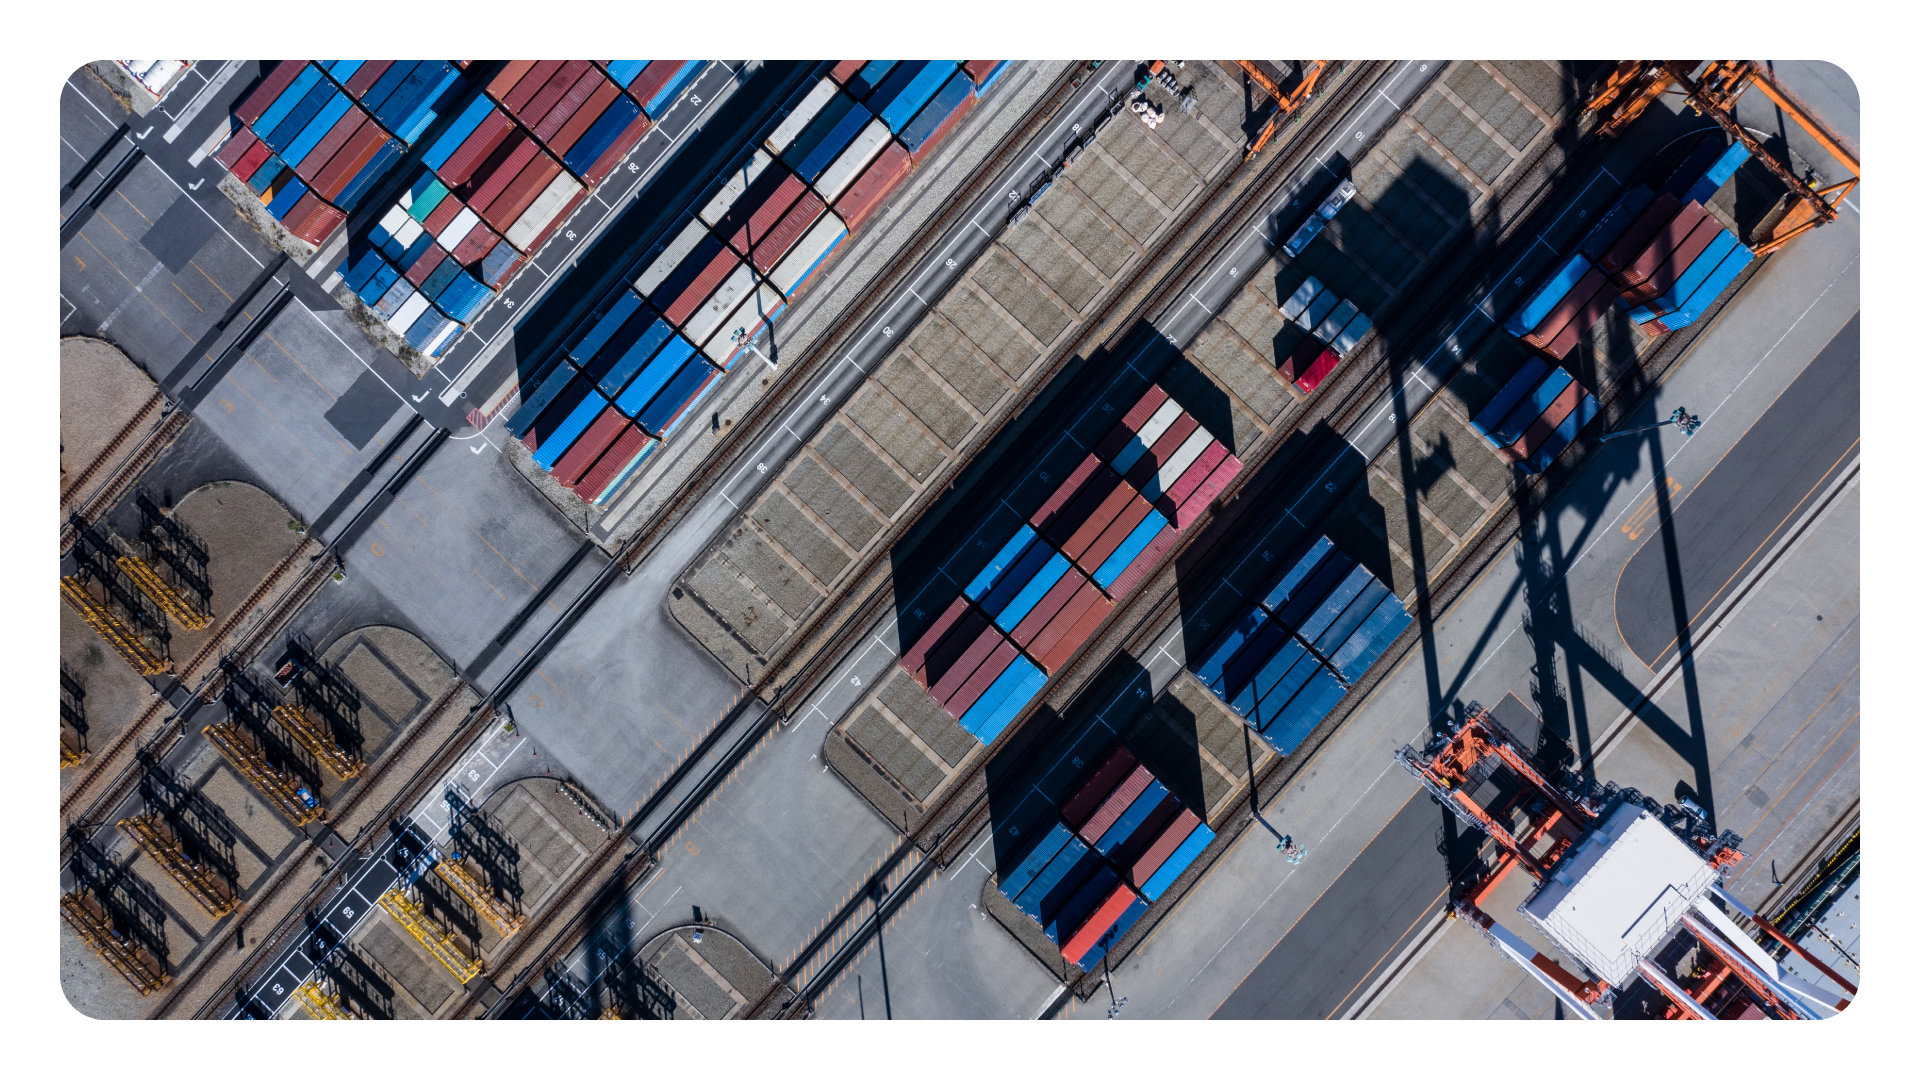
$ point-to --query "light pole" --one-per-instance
(740, 338)
(1685, 421)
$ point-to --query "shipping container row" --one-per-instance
(1536, 415)
(1045, 590)
(1304, 640)
(1334, 329)
(732, 267)
(1115, 845)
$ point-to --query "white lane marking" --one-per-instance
(199, 102)
(138, 290)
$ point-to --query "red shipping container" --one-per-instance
(615, 154)
(1125, 852)
(443, 214)
(1301, 358)
(1664, 243)
(236, 147)
(1123, 432)
(269, 90)
(1162, 450)
(502, 212)
(951, 646)
(953, 120)
(1323, 367)
(329, 145)
(1036, 620)
(1089, 499)
(427, 263)
(846, 69)
(475, 149)
(515, 100)
(979, 69)
(1581, 322)
(608, 468)
(983, 677)
(701, 287)
(915, 658)
(759, 208)
(509, 76)
(1536, 434)
(869, 193)
(251, 161)
(1668, 273)
(1203, 496)
(1569, 306)
(1637, 235)
(1096, 787)
(501, 168)
(1115, 804)
(1102, 920)
(364, 78)
(571, 102)
(781, 238)
(968, 662)
(1114, 535)
(349, 161)
(1096, 522)
(542, 104)
(474, 246)
(300, 211)
(657, 74)
(1069, 629)
(1156, 856)
(583, 118)
(1196, 473)
(586, 450)
(1145, 563)
(325, 220)
(1049, 511)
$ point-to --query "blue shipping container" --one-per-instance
(1070, 858)
(1522, 416)
(655, 375)
(576, 422)
(870, 77)
(1315, 589)
(613, 369)
(836, 140)
(623, 71)
(658, 103)
(1549, 295)
(1563, 435)
(383, 159)
(602, 328)
(1371, 639)
(1075, 909)
(288, 195)
(450, 140)
(1523, 381)
(1131, 818)
(544, 393)
(1177, 862)
(1033, 592)
(388, 82)
(1129, 550)
(1297, 573)
(917, 93)
(587, 150)
(293, 95)
(997, 565)
(1637, 198)
(987, 726)
(318, 127)
(1215, 664)
(1035, 860)
(1336, 634)
(379, 282)
(1134, 910)
(1334, 604)
(945, 103)
(668, 402)
(1016, 578)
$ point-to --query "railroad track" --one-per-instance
(174, 420)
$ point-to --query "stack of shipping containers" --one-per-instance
(634, 371)
(1661, 256)
(1303, 641)
(1120, 839)
(502, 176)
(1090, 544)
(1334, 328)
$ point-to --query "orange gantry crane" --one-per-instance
(1634, 84)
(1283, 104)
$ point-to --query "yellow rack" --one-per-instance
(150, 835)
(90, 922)
(316, 738)
(116, 633)
(480, 899)
(252, 763)
(436, 939)
(321, 1002)
(161, 593)
(69, 757)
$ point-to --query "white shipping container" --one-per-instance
(796, 120)
(1351, 336)
(1336, 321)
(458, 228)
(395, 216)
(1149, 433)
(735, 187)
(1169, 473)
(813, 247)
(669, 260)
(440, 338)
(709, 315)
(765, 304)
(541, 212)
(408, 312)
(847, 167)
(1301, 297)
(409, 230)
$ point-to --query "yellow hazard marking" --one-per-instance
(1645, 513)
(691, 849)
(82, 262)
(377, 549)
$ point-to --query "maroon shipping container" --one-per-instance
(1097, 787)
(1092, 494)
(982, 677)
(426, 264)
(1096, 522)
(502, 212)
(364, 78)
(1664, 243)
(1637, 235)
(474, 246)
(1300, 359)
(781, 237)
(549, 97)
(235, 148)
(1667, 274)
(586, 450)
(1049, 511)
(953, 119)
(1536, 434)
(1115, 804)
(957, 641)
(356, 153)
(1043, 612)
(1149, 557)
(300, 212)
(984, 643)
(615, 154)
(915, 658)
(1577, 297)
(1196, 504)
(570, 103)
(624, 449)
(323, 223)
(1115, 534)
(476, 148)
(1162, 450)
(701, 286)
(583, 118)
(1196, 473)
(846, 69)
(1144, 837)
(1123, 432)
(443, 214)
(534, 80)
(501, 168)
(251, 161)
(509, 76)
(869, 193)
(657, 74)
(979, 69)
(269, 90)
(330, 144)
(759, 209)
(1168, 842)
(1070, 628)
(1582, 321)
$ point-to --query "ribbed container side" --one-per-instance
(342, 132)
(914, 660)
(656, 77)
(782, 237)
(628, 136)
(588, 447)
(889, 83)
(322, 125)
(509, 76)
(623, 452)
(346, 164)
(271, 86)
(935, 116)
(623, 71)
(471, 153)
(426, 264)
(680, 303)
(544, 210)
(541, 105)
(917, 93)
(442, 215)
(364, 79)
(664, 98)
(400, 72)
(760, 209)
(289, 100)
(236, 147)
(666, 412)
(501, 170)
(383, 159)
(515, 98)
(867, 194)
(589, 113)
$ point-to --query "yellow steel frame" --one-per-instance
(491, 908)
(252, 764)
(69, 757)
(315, 738)
(116, 633)
(149, 835)
(170, 601)
(437, 940)
(89, 921)
(322, 1003)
